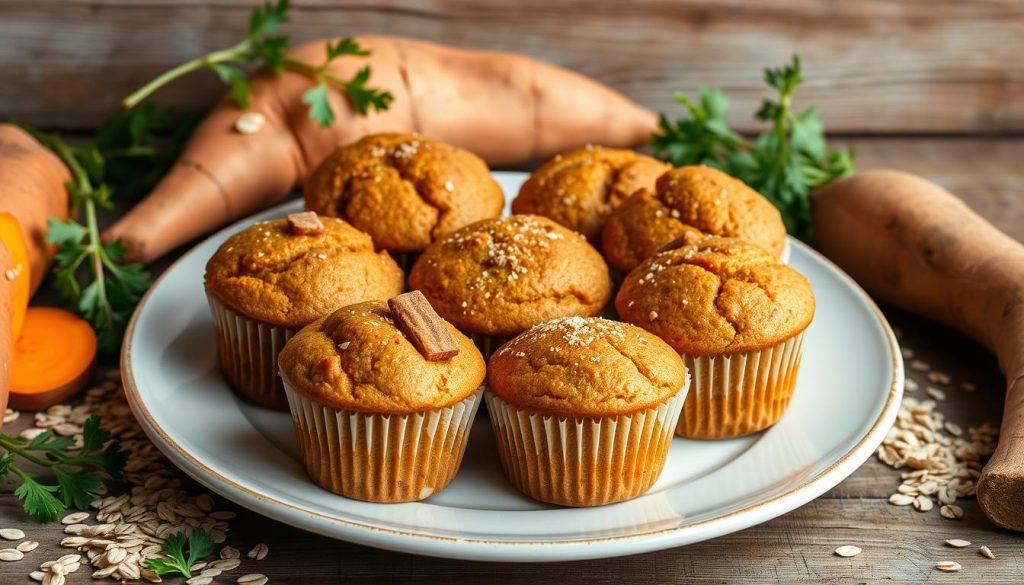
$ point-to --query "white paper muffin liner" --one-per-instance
(247, 353)
(581, 461)
(381, 457)
(741, 393)
(787, 251)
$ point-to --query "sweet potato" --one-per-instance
(506, 108)
(915, 245)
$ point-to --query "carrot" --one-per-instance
(915, 245)
(17, 272)
(507, 108)
(31, 190)
(53, 358)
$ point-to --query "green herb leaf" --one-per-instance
(785, 163)
(235, 78)
(268, 18)
(345, 46)
(77, 488)
(175, 560)
(364, 98)
(5, 463)
(319, 104)
(38, 499)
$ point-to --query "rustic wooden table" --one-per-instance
(899, 543)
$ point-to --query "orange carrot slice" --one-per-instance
(54, 358)
(13, 239)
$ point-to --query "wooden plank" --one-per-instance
(872, 66)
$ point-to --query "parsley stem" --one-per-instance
(12, 447)
(319, 72)
(235, 53)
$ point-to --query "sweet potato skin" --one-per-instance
(506, 108)
(32, 189)
(6, 343)
(917, 246)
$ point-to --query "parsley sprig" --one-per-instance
(175, 559)
(78, 473)
(785, 162)
(262, 46)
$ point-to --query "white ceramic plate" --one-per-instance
(849, 389)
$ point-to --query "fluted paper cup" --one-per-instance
(741, 393)
(583, 461)
(381, 457)
(247, 353)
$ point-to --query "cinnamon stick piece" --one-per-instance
(423, 326)
(306, 223)
(685, 239)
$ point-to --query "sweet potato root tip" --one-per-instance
(53, 358)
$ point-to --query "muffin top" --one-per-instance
(579, 189)
(270, 273)
(717, 296)
(577, 366)
(502, 276)
(356, 358)
(403, 189)
(690, 198)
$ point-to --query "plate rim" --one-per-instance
(514, 550)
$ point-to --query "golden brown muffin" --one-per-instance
(356, 359)
(717, 296)
(501, 276)
(269, 274)
(685, 199)
(405, 190)
(579, 189)
(577, 366)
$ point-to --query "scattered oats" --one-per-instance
(923, 503)
(199, 580)
(259, 552)
(54, 579)
(36, 575)
(968, 387)
(75, 518)
(919, 366)
(250, 122)
(907, 353)
(11, 554)
(11, 534)
(939, 377)
(986, 552)
(954, 429)
(31, 433)
(951, 512)
(252, 579)
(901, 500)
(948, 566)
(848, 551)
(935, 393)
(910, 385)
(11, 415)
(958, 543)
(229, 552)
(228, 564)
(27, 546)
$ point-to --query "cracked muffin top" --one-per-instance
(273, 275)
(717, 296)
(579, 189)
(357, 359)
(691, 198)
(405, 190)
(577, 366)
(502, 276)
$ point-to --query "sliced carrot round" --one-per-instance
(53, 358)
(13, 239)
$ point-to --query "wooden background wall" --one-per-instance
(874, 67)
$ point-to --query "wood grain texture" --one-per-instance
(918, 66)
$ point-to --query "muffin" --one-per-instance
(275, 277)
(584, 409)
(405, 190)
(497, 278)
(696, 199)
(579, 189)
(374, 419)
(737, 316)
